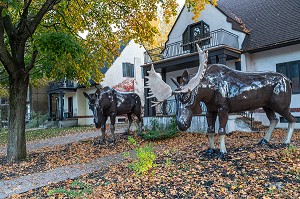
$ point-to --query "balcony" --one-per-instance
(63, 84)
(215, 39)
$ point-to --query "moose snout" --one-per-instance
(183, 123)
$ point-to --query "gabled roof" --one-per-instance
(272, 23)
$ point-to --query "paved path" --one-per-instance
(36, 180)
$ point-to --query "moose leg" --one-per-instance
(112, 127)
(103, 129)
(211, 120)
(140, 122)
(273, 122)
(129, 123)
(223, 117)
(290, 118)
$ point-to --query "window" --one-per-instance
(128, 69)
(195, 32)
(291, 70)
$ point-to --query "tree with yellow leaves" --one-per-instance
(40, 39)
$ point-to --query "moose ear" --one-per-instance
(175, 82)
(97, 92)
(185, 77)
(87, 95)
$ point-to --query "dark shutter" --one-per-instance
(131, 69)
(124, 69)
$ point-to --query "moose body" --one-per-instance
(223, 91)
(110, 103)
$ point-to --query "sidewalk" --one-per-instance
(36, 180)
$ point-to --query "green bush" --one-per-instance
(36, 119)
(158, 132)
(145, 158)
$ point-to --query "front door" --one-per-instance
(70, 107)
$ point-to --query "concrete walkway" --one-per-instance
(36, 180)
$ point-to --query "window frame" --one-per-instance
(128, 69)
(287, 69)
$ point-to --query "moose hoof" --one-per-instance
(112, 142)
(211, 151)
(221, 156)
(285, 145)
(101, 142)
(263, 142)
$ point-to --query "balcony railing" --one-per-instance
(62, 84)
(216, 38)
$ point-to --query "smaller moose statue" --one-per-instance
(108, 102)
(223, 91)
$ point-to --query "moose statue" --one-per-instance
(108, 102)
(223, 91)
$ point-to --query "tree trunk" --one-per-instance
(16, 148)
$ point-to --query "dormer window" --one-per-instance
(195, 33)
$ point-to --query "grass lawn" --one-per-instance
(40, 134)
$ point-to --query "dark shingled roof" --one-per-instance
(272, 23)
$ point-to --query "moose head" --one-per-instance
(187, 100)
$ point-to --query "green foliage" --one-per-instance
(145, 158)
(77, 189)
(36, 119)
(158, 132)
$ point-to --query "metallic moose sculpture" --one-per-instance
(108, 102)
(223, 91)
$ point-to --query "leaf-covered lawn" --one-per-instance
(183, 170)
(40, 134)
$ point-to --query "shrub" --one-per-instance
(159, 132)
(145, 158)
(36, 119)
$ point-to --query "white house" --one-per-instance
(244, 35)
(66, 99)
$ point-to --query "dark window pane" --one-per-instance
(124, 69)
(294, 76)
(128, 69)
(291, 70)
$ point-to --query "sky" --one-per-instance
(180, 2)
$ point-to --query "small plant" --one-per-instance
(145, 158)
(168, 162)
(78, 189)
(36, 119)
(158, 132)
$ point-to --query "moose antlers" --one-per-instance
(162, 91)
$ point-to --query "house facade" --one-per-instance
(67, 102)
(244, 35)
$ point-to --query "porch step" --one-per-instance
(256, 125)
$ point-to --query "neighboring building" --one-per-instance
(245, 35)
(36, 102)
(67, 102)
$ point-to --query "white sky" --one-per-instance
(181, 3)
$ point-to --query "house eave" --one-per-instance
(273, 46)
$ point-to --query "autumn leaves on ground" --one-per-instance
(181, 169)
